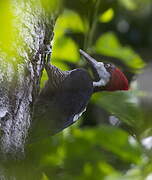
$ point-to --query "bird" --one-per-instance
(66, 94)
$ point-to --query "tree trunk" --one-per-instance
(20, 72)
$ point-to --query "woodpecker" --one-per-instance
(66, 94)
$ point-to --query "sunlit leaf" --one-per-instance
(106, 16)
(109, 45)
(65, 48)
(70, 20)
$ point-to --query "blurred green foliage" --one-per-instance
(6, 30)
(111, 31)
(109, 45)
(51, 5)
(106, 16)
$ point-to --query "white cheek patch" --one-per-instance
(76, 117)
(104, 75)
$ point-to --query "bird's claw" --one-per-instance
(48, 52)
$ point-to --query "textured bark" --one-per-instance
(20, 74)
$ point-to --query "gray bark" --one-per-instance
(20, 73)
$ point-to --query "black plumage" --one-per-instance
(64, 96)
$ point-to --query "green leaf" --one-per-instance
(109, 45)
(107, 16)
(111, 139)
(123, 105)
(70, 20)
(65, 48)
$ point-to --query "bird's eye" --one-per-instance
(107, 65)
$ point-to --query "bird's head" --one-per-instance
(109, 77)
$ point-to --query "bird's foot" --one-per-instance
(48, 52)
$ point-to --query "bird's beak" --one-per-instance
(100, 70)
(111, 80)
(90, 59)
